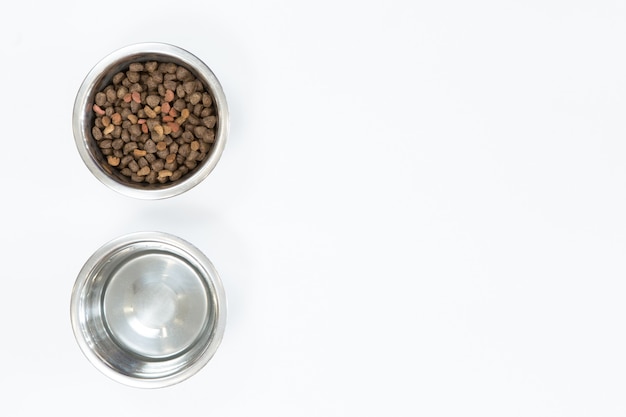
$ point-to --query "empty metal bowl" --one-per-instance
(148, 309)
(101, 75)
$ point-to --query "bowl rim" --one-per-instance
(98, 258)
(82, 107)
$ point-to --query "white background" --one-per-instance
(419, 211)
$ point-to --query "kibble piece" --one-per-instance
(170, 68)
(117, 78)
(144, 171)
(101, 99)
(153, 100)
(158, 165)
(139, 152)
(129, 147)
(206, 99)
(195, 98)
(161, 146)
(107, 130)
(116, 119)
(117, 144)
(136, 67)
(111, 94)
(190, 87)
(209, 121)
(150, 146)
(151, 66)
(113, 160)
(164, 173)
(133, 76)
(96, 133)
(170, 85)
(151, 177)
(183, 74)
(136, 178)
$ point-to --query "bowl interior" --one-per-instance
(147, 311)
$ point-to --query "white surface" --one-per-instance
(420, 210)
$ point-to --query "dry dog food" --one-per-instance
(155, 122)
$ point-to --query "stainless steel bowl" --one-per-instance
(101, 75)
(148, 309)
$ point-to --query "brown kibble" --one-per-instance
(206, 99)
(136, 178)
(96, 133)
(151, 66)
(117, 144)
(153, 100)
(165, 173)
(117, 78)
(133, 76)
(143, 171)
(150, 146)
(195, 98)
(180, 91)
(136, 97)
(139, 153)
(195, 145)
(101, 99)
(184, 150)
(179, 105)
(190, 87)
(170, 85)
(113, 160)
(121, 92)
(209, 121)
(136, 67)
(129, 147)
(183, 74)
(106, 121)
(98, 110)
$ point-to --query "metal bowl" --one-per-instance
(148, 309)
(101, 75)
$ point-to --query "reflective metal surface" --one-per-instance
(148, 309)
(101, 75)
